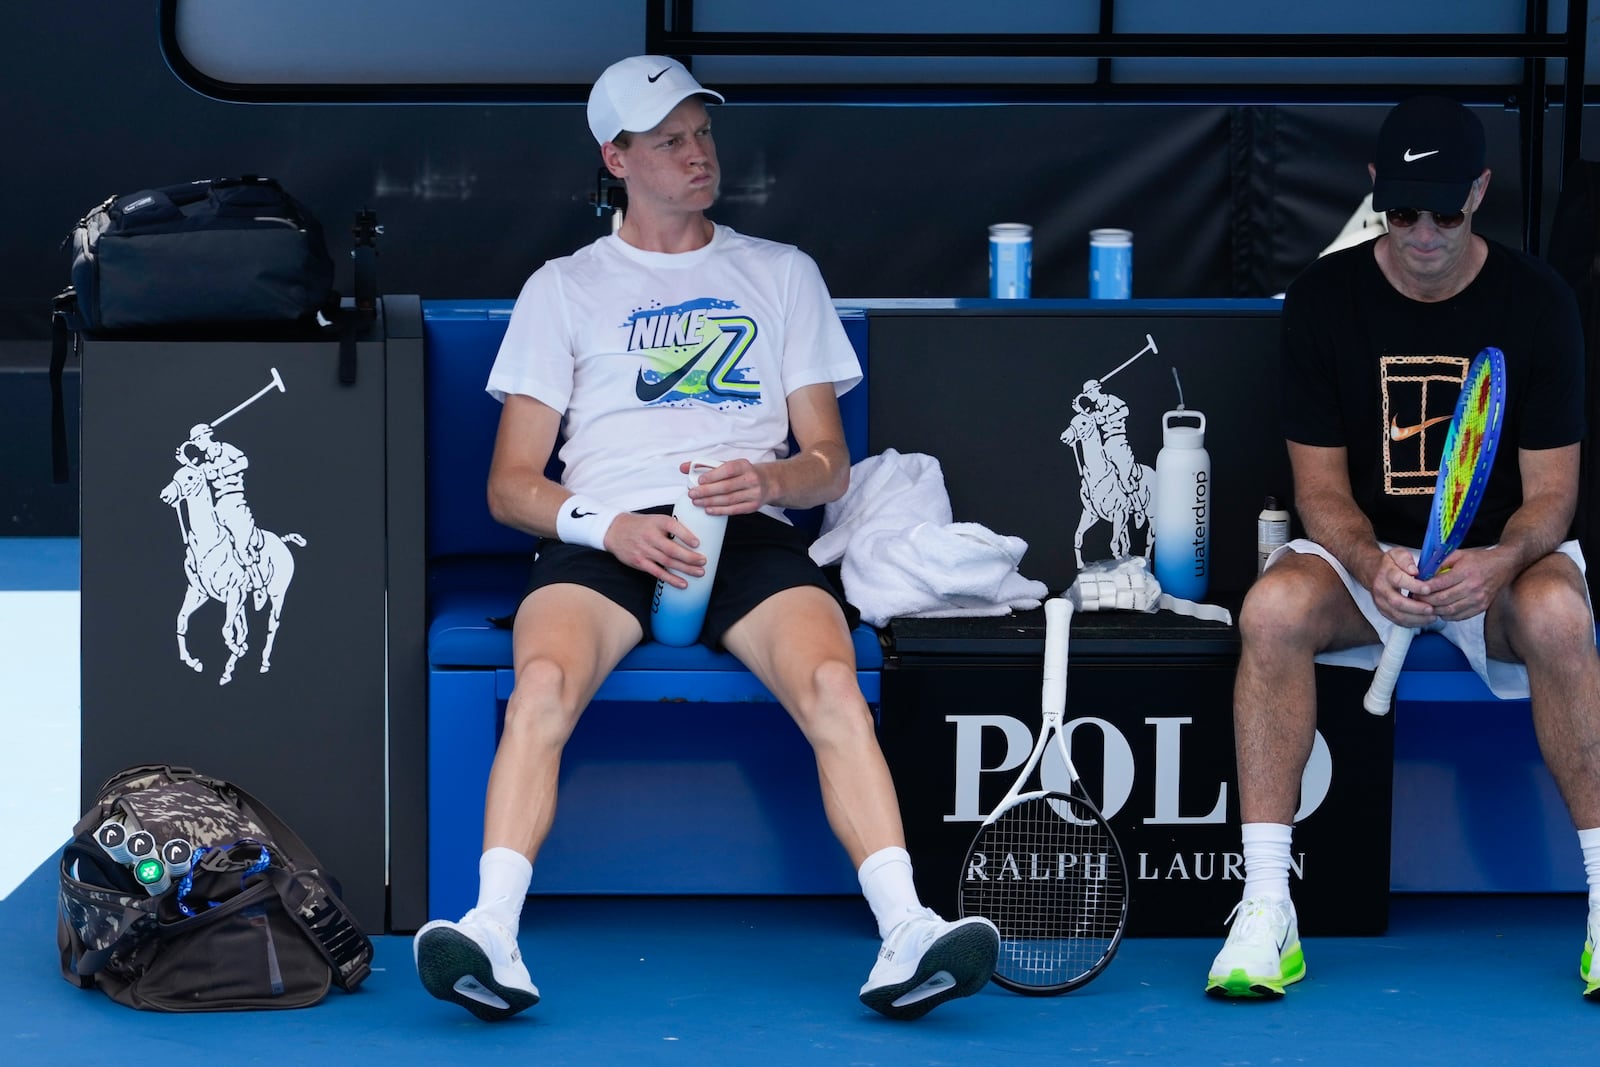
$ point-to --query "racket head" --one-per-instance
(1469, 450)
(1048, 872)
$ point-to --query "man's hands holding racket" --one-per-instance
(1465, 585)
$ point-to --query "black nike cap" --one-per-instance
(1430, 150)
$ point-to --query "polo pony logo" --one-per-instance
(227, 557)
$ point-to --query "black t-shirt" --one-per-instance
(1377, 373)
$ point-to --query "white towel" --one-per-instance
(888, 492)
(901, 554)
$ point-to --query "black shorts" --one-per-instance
(760, 556)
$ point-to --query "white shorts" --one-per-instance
(1506, 680)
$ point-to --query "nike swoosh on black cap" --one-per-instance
(1430, 149)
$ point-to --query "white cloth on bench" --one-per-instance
(900, 553)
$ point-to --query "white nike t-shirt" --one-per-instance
(658, 358)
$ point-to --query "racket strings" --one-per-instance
(1055, 887)
(1469, 450)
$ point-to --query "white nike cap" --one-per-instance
(1430, 149)
(636, 93)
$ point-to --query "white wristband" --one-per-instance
(584, 522)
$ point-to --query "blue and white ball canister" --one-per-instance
(1010, 260)
(1110, 264)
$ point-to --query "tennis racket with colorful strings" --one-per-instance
(1469, 450)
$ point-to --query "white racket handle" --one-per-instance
(1057, 623)
(1388, 671)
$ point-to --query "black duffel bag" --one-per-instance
(209, 252)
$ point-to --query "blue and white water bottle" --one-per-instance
(676, 615)
(1182, 505)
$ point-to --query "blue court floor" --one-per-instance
(1489, 979)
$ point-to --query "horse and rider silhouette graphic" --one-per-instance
(227, 557)
(1113, 487)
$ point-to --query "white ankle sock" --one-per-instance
(886, 883)
(1266, 859)
(1589, 841)
(504, 875)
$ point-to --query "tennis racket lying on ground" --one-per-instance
(1469, 450)
(1044, 866)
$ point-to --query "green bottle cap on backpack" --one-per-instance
(152, 874)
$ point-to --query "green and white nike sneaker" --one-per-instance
(1586, 968)
(1262, 953)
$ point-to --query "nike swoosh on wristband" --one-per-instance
(652, 77)
(1400, 433)
(1409, 156)
(575, 513)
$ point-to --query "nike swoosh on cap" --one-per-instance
(651, 78)
(1409, 156)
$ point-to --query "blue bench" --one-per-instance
(1475, 808)
(690, 779)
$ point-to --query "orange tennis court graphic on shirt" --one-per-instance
(1419, 399)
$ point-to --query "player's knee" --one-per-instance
(835, 680)
(1276, 609)
(539, 707)
(834, 705)
(1549, 616)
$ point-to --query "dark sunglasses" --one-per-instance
(1403, 218)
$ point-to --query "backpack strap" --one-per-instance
(64, 327)
(288, 842)
(310, 901)
(79, 967)
(68, 946)
(353, 323)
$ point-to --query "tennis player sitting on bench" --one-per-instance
(1376, 340)
(614, 348)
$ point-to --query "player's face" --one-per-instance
(674, 166)
(1430, 253)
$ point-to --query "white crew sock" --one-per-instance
(504, 875)
(1589, 841)
(891, 894)
(1266, 860)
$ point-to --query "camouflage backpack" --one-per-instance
(181, 892)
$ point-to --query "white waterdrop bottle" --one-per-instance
(1182, 506)
(676, 615)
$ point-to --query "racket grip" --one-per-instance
(1388, 671)
(1057, 621)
